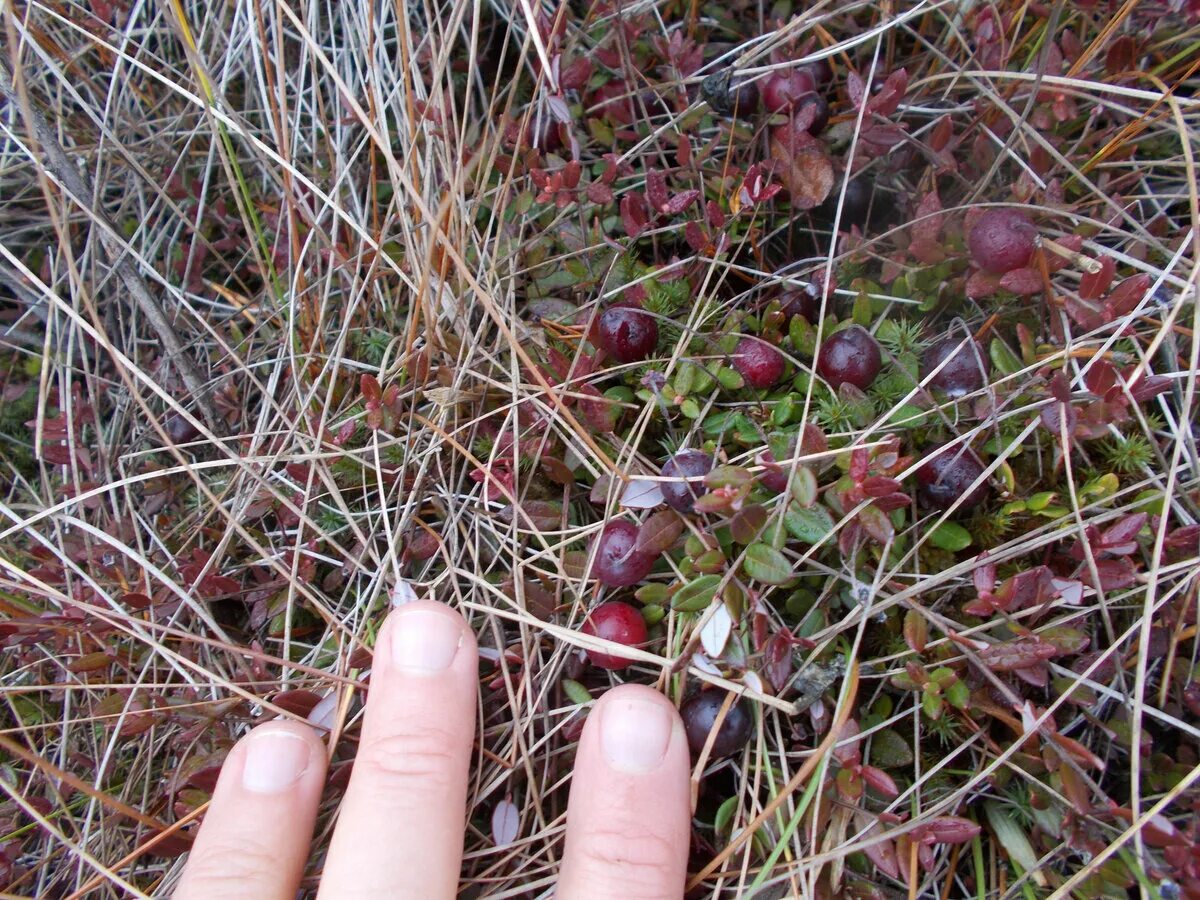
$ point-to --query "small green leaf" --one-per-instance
(1040, 501)
(810, 525)
(766, 564)
(725, 815)
(1005, 361)
(957, 694)
(950, 536)
(784, 410)
(696, 594)
(1012, 837)
(690, 408)
(655, 592)
(731, 379)
(576, 692)
(861, 314)
(890, 750)
(804, 486)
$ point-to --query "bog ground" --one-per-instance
(849, 350)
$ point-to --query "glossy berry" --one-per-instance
(820, 70)
(617, 563)
(782, 89)
(617, 622)
(626, 334)
(1001, 240)
(947, 475)
(965, 369)
(805, 301)
(758, 362)
(692, 464)
(850, 356)
(858, 206)
(180, 430)
(699, 712)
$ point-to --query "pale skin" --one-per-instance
(399, 830)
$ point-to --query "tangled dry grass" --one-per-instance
(268, 356)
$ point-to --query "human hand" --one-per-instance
(400, 827)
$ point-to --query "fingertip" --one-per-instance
(278, 754)
(424, 637)
(637, 730)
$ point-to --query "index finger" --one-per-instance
(400, 828)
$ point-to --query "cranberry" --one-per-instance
(850, 356)
(691, 464)
(617, 563)
(699, 712)
(857, 206)
(626, 334)
(759, 363)
(821, 71)
(782, 89)
(617, 622)
(180, 430)
(965, 369)
(948, 474)
(1001, 240)
(730, 95)
(774, 477)
(805, 301)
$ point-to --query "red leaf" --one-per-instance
(880, 486)
(680, 202)
(777, 658)
(1100, 378)
(1115, 574)
(1119, 539)
(890, 94)
(1149, 386)
(982, 284)
(656, 190)
(634, 214)
(856, 88)
(714, 214)
(1127, 295)
(1093, 284)
(1017, 654)
(598, 192)
(946, 830)
(575, 76)
(1023, 282)
(880, 780)
(695, 237)
(939, 138)
(372, 394)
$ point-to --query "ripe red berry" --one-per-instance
(758, 362)
(690, 464)
(805, 301)
(783, 88)
(730, 94)
(617, 622)
(1001, 240)
(617, 563)
(948, 474)
(699, 713)
(180, 430)
(626, 334)
(850, 356)
(965, 369)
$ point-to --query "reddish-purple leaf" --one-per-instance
(1023, 282)
(946, 830)
(714, 214)
(1149, 386)
(1115, 574)
(598, 192)
(681, 201)
(1127, 295)
(1093, 284)
(880, 780)
(634, 215)
(890, 93)
(1119, 539)
(856, 88)
(656, 190)
(1017, 654)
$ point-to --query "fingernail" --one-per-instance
(275, 760)
(424, 641)
(634, 734)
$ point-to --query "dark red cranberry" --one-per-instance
(690, 464)
(850, 356)
(857, 205)
(699, 713)
(774, 477)
(805, 301)
(626, 334)
(965, 370)
(948, 475)
(782, 89)
(180, 430)
(758, 362)
(617, 622)
(1001, 240)
(617, 563)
